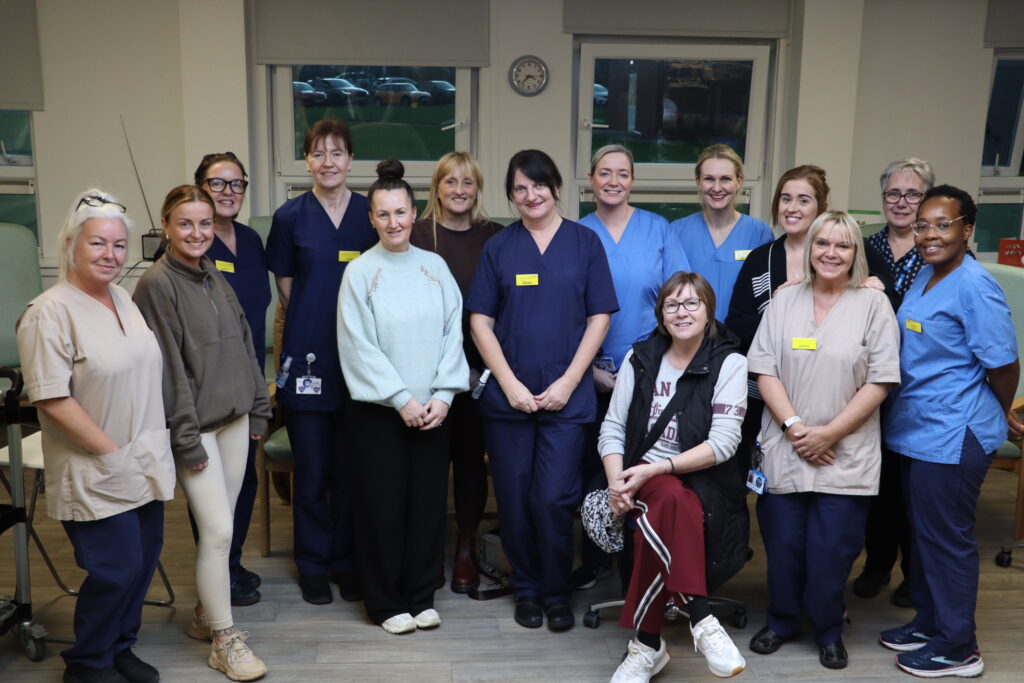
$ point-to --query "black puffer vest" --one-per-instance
(721, 488)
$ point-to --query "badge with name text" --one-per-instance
(346, 256)
(913, 326)
(527, 280)
(224, 266)
(805, 343)
(741, 254)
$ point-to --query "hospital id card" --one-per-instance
(805, 343)
(913, 326)
(741, 254)
(224, 266)
(346, 256)
(308, 385)
(527, 279)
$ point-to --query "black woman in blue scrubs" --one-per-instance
(312, 238)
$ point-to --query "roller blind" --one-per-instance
(1004, 25)
(691, 18)
(21, 78)
(405, 32)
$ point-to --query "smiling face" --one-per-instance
(684, 325)
(392, 215)
(534, 201)
(718, 184)
(943, 250)
(832, 254)
(798, 207)
(458, 192)
(99, 253)
(227, 201)
(329, 162)
(612, 180)
(902, 214)
(189, 228)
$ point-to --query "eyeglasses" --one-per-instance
(894, 197)
(95, 200)
(942, 227)
(691, 305)
(218, 184)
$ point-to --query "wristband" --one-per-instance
(672, 466)
(790, 422)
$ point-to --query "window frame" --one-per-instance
(1004, 170)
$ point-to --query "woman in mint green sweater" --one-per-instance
(400, 343)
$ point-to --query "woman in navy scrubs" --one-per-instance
(959, 368)
(312, 238)
(541, 301)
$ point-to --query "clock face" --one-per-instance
(528, 75)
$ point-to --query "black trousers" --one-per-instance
(888, 531)
(400, 492)
(469, 472)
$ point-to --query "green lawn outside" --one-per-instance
(409, 133)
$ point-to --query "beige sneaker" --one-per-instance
(235, 659)
(200, 627)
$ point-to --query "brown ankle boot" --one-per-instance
(465, 576)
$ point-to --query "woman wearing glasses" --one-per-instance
(215, 400)
(959, 368)
(93, 369)
(237, 252)
(821, 441)
(667, 446)
(904, 183)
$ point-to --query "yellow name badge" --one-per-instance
(225, 266)
(742, 254)
(346, 256)
(527, 280)
(913, 326)
(805, 343)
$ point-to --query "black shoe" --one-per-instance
(349, 587)
(560, 616)
(833, 655)
(901, 596)
(134, 669)
(77, 673)
(315, 589)
(529, 613)
(248, 580)
(869, 583)
(584, 578)
(767, 641)
(240, 596)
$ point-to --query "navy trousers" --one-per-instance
(941, 502)
(536, 470)
(888, 533)
(810, 542)
(118, 554)
(321, 506)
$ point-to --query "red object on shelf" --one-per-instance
(1011, 252)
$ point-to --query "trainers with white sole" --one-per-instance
(641, 663)
(235, 659)
(199, 628)
(400, 623)
(428, 618)
(711, 640)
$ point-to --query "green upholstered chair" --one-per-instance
(272, 455)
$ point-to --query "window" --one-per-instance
(17, 172)
(1001, 197)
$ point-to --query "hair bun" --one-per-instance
(390, 169)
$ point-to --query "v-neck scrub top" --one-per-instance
(856, 343)
(719, 265)
(540, 304)
(639, 267)
(72, 345)
(951, 336)
(304, 245)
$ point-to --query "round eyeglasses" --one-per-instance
(942, 227)
(218, 184)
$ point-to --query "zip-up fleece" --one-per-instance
(211, 376)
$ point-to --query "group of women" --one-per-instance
(620, 335)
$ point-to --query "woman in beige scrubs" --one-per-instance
(93, 369)
(826, 353)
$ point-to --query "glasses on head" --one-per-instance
(691, 305)
(218, 184)
(95, 200)
(942, 227)
(894, 197)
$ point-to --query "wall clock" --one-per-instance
(528, 75)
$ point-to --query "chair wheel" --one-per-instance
(35, 648)
(592, 619)
(739, 618)
(1004, 558)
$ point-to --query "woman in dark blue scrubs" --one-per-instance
(312, 238)
(541, 301)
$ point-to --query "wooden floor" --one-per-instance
(479, 641)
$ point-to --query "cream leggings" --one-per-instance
(211, 494)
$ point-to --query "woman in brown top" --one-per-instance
(455, 227)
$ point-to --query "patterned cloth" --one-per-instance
(904, 269)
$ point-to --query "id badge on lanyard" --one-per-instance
(309, 384)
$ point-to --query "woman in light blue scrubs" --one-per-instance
(717, 240)
(540, 301)
(959, 368)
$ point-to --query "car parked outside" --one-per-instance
(307, 96)
(340, 91)
(600, 94)
(400, 93)
(441, 92)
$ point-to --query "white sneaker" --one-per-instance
(400, 623)
(199, 628)
(235, 659)
(711, 640)
(641, 663)
(428, 618)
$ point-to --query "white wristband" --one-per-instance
(790, 422)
